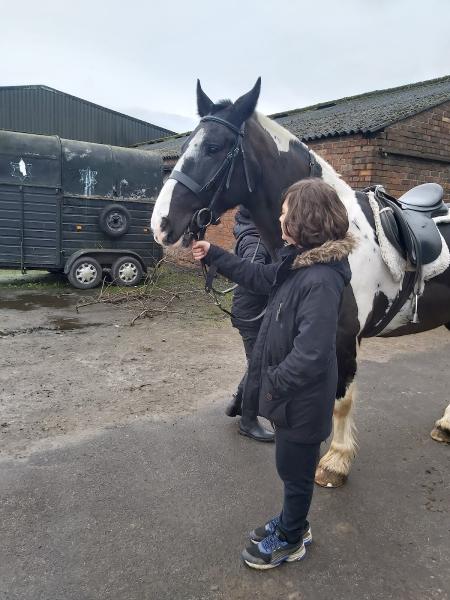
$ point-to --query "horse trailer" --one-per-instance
(76, 207)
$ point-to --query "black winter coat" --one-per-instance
(293, 367)
(246, 303)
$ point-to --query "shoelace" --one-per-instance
(270, 543)
(272, 524)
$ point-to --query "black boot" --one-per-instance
(234, 407)
(252, 428)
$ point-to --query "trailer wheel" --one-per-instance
(127, 271)
(115, 220)
(85, 273)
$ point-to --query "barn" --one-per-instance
(42, 109)
(397, 137)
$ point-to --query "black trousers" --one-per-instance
(249, 409)
(296, 466)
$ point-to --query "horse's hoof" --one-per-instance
(329, 479)
(440, 435)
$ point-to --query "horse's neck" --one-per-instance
(290, 163)
(293, 150)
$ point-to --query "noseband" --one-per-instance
(204, 217)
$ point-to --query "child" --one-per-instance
(293, 367)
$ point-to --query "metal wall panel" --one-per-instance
(42, 110)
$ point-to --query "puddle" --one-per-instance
(68, 324)
(26, 302)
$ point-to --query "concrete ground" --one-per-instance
(158, 508)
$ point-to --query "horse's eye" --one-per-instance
(212, 148)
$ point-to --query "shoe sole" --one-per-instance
(257, 439)
(299, 555)
(307, 540)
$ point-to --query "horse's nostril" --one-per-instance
(169, 237)
(164, 223)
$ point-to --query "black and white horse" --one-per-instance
(261, 160)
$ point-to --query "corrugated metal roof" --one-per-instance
(44, 110)
(365, 113)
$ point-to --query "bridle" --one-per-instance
(204, 217)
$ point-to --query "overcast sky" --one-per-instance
(143, 57)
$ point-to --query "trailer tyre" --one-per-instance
(127, 271)
(85, 273)
(115, 220)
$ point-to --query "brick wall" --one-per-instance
(427, 135)
(352, 156)
(363, 161)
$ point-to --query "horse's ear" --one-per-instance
(245, 106)
(204, 104)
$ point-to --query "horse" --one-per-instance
(236, 155)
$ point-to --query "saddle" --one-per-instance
(408, 224)
(408, 221)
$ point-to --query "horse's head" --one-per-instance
(216, 169)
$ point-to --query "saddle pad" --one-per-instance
(395, 262)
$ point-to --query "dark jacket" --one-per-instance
(246, 303)
(293, 368)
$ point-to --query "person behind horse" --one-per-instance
(293, 367)
(245, 307)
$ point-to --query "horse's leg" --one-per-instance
(334, 466)
(441, 431)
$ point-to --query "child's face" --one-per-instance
(284, 235)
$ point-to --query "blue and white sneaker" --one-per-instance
(272, 551)
(258, 534)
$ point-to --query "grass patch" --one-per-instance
(11, 278)
(169, 289)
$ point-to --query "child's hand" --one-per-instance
(200, 249)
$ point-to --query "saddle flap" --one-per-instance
(426, 233)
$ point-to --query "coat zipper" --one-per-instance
(277, 318)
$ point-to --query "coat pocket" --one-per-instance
(271, 406)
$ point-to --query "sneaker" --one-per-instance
(258, 534)
(272, 551)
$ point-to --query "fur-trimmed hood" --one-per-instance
(331, 251)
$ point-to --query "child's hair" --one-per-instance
(315, 214)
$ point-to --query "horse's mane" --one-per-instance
(220, 105)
